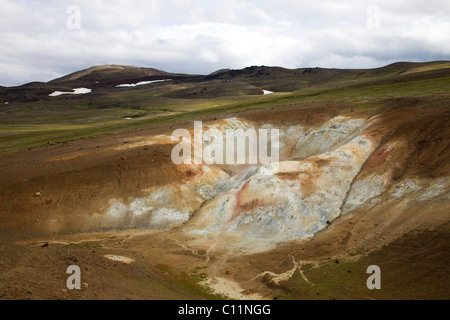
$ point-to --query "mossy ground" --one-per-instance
(26, 125)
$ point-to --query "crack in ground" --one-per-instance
(285, 276)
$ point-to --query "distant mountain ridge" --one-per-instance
(113, 74)
(224, 82)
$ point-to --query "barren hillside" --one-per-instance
(363, 179)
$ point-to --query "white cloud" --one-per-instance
(199, 36)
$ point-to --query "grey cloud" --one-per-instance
(199, 36)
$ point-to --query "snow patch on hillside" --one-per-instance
(142, 83)
(75, 91)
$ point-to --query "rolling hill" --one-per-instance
(363, 179)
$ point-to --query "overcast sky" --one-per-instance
(42, 40)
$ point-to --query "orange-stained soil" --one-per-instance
(78, 178)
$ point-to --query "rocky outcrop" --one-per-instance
(262, 205)
(281, 202)
(167, 206)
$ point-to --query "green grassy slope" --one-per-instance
(39, 119)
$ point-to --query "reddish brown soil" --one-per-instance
(79, 178)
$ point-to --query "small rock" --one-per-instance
(73, 258)
(337, 261)
(37, 194)
(45, 245)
